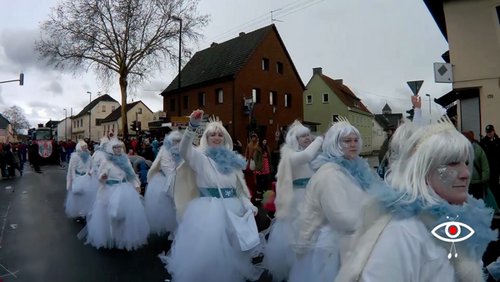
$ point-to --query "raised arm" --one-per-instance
(308, 153)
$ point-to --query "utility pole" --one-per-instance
(180, 62)
(90, 114)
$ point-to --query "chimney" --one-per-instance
(214, 44)
(317, 71)
(242, 33)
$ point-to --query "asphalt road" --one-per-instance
(38, 242)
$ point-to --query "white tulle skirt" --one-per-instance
(81, 197)
(205, 247)
(322, 262)
(159, 204)
(278, 253)
(118, 219)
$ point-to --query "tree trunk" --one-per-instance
(123, 89)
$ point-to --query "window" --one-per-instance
(219, 96)
(185, 102)
(113, 108)
(335, 118)
(139, 111)
(103, 108)
(256, 95)
(273, 98)
(325, 98)
(279, 67)
(172, 105)
(288, 100)
(201, 99)
(309, 100)
(265, 64)
(498, 14)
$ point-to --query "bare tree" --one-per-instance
(15, 115)
(128, 39)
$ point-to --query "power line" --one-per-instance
(281, 12)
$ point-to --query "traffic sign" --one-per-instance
(415, 86)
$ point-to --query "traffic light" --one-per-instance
(138, 126)
(410, 113)
(133, 126)
(21, 79)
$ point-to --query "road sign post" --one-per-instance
(415, 86)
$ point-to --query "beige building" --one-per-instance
(137, 113)
(87, 122)
(325, 99)
(6, 131)
(472, 28)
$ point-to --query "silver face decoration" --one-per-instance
(447, 175)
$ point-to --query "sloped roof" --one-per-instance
(4, 122)
(345, 94)
(222, 60)
(116, 114)
(92, 104)
(389, 120)
(386, 108)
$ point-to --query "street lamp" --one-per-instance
(90, 113)
(65, 125)
(175, 18)
(430, 118)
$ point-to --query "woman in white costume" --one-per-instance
(80, 196)
(217, 233)
(159, 197)
(97, 159)
(293, 174)
(118, 219)
(333, 205)
(421, 237)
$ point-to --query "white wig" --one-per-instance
(79, 145)
(112, 143)
(332, 144)
(171, 137)
(428, 148)
(215, 125)
(399, 139)
(295, 130)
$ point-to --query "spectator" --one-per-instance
(491, 146)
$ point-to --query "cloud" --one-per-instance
(18, 48)
(53, 87)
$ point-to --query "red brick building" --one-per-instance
(254, 67)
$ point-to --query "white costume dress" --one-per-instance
(118, 219)
(404, 249)
(294, 172)
(333, 212)
(208, 244)
(159, 197)
(80, 194)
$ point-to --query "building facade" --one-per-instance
(326, 99)
(249, 82)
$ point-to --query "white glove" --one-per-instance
(195, 118)
(250, 207)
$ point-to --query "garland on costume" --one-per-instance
(174, 150)
(357, 168)
(474, 213)
(226, 160)
(84, 155)
(123, 162)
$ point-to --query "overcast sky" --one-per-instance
(375, 46)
